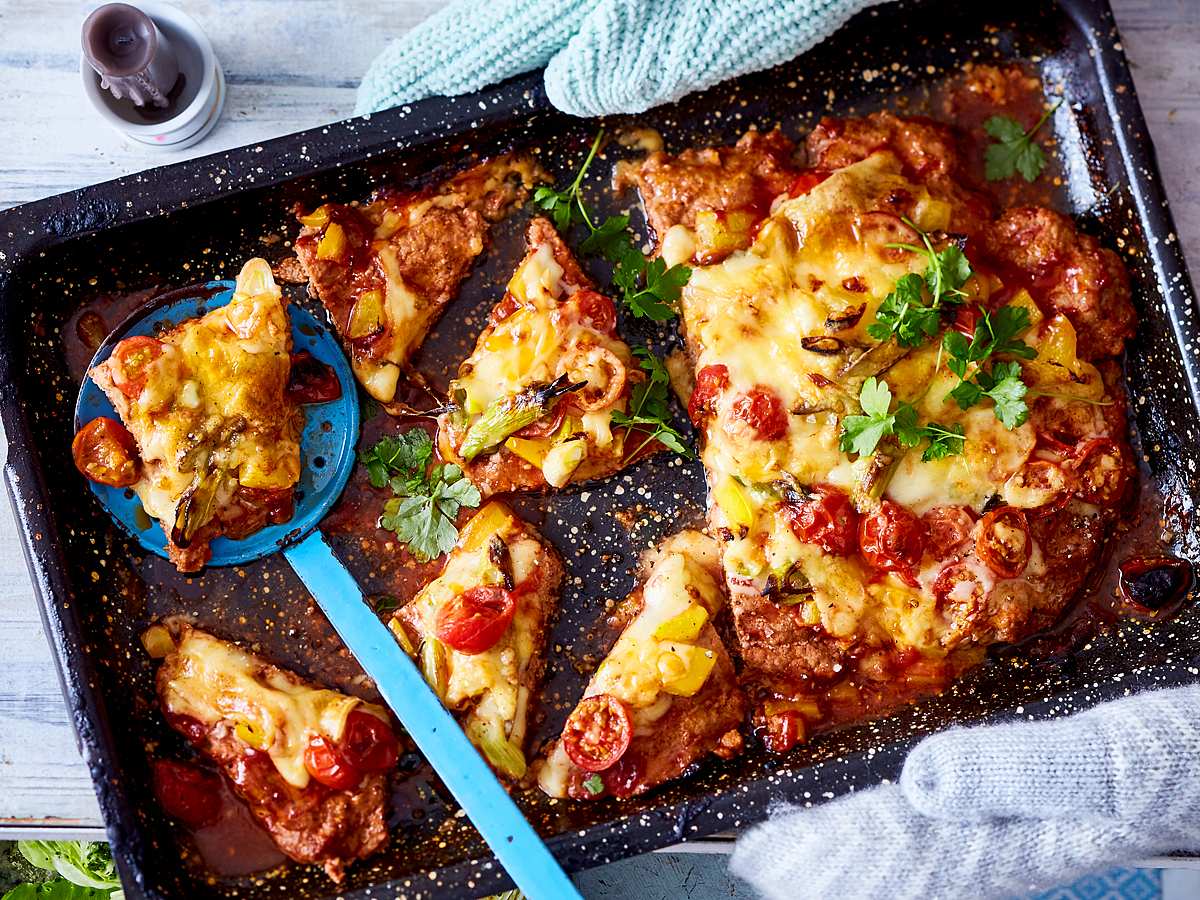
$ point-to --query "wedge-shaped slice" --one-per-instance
(479, 630)
(207, 406)
(386, 270)
(534, 402)
(665, 695)
(310, 763)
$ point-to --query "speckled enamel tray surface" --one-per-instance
(198, 220)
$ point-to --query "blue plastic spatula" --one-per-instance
(327, 459)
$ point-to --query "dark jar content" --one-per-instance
(1155, 584)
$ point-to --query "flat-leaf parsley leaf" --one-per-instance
(426, 501)
(649, 411)
(1015, 150)
(862, 434)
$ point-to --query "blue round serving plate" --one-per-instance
(326, 444)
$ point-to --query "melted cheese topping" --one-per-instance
(215, 682)
(816, 260)
(488, 682)
(539, 341)
(214, 400)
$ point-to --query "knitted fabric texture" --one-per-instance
(998, 810)
(602, 57)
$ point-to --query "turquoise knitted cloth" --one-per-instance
(601, 56)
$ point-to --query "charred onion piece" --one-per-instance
(846, 319)
(510, 414)
(824, 344)
(789, 588)
(874, 360)
(499, 557)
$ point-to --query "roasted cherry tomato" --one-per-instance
(105, 453)
(1003, 541)
(947, 528)
(596, 311)
(597, 733)
(505, 308)
(762, 410)
(474, 620)
(806, 181)
(193, 729)
(368, 742)
(965, 320)
(312, 381)
(892, 539)
(187, 793)
(710, 382)
(959, 593)
(783, 731)
(624, 778)
(327, 763)
(131, 361)
(827, 519)
(1101, 471)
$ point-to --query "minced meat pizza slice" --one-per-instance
(479, 630)
(386, 270)
(913, 430)
(664, 697)
(532, 407)
(311, 763)
(207, 406)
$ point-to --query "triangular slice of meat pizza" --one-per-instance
(207, 406)
(479, 630)
(311, 763)
(665, 696)
(533, 405)
(386, 270)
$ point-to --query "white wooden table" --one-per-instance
(293, 64)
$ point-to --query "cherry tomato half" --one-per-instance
(965, 320)
(327, 763)
(959, 594)
(474, 620)
(783, 731)
(1101, 471)
(947, 529)
(130, 363)
(505, 308)
(1003, 541)
(892, 539)
(595, 311)
(827, 519)
(762, 410)
(105, 453)
(597, 733)
(187, 793)
(710, 382)
(311, 381)
(369, 743)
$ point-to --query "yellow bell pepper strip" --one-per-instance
(683, 627)
(684, 668)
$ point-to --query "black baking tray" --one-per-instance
(198, 220)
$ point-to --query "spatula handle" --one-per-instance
(526, 859)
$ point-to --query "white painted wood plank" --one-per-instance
(291, 65)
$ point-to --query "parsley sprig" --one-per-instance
(425, 501)
(862, 434)
(1015, 150)
(905, 314)
(649, 289)
(995, 334)
(649, 412)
